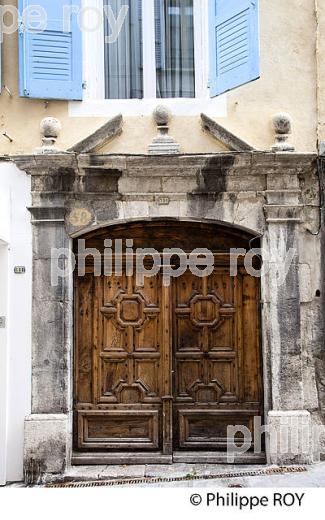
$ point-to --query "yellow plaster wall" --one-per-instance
(320, 4)
(288, 83)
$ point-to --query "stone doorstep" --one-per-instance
(94, 473)
(313, 477)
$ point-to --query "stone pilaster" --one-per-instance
(46, 429)
(289, 423)
(51, 302)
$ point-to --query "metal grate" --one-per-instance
(158, 480)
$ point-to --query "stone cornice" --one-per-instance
(262, 163)
(43, 164)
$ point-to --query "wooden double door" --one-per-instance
(165, 369)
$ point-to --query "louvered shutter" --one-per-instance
(50, 61)
(234, 44)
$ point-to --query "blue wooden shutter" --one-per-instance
(234, 44)
(50, 62)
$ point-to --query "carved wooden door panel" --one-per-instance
(162, 369)
(216, 357)
(123, 381)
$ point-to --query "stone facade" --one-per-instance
(274, 196)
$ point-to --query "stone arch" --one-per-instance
(254, 233)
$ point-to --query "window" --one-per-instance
(123, 58)
(174, 41)
(173, 45)
(165, 49)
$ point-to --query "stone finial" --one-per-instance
(50, 128)
(161, 115)
(282, 125)
(163, 144)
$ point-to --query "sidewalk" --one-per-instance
(192, 476)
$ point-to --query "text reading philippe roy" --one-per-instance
(248, 502)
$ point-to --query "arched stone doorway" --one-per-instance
(162, 369)
(268, 193)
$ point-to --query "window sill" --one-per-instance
(216, 107)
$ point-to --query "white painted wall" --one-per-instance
(3, 360)
(15, 304)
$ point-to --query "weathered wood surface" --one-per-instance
(160, 369)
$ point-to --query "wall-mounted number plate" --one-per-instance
(2, 322)
(20, 269)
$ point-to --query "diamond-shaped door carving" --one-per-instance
(130, 310)
(205, 310)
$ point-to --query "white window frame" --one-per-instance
(95, 104)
